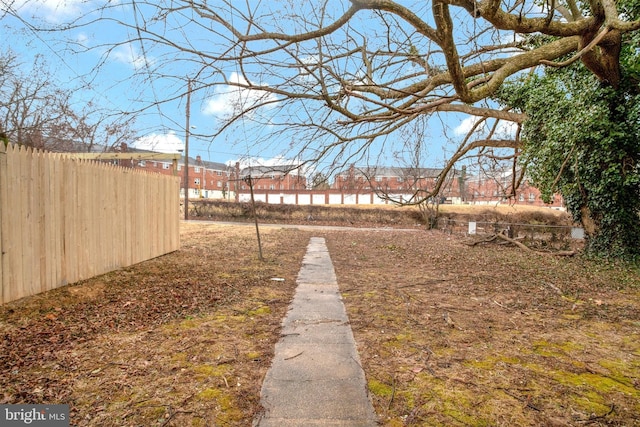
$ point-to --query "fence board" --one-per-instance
(65, 220)
(4, 218)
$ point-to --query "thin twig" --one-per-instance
(598, 417)
(393, 392)
(294, 356)
(173, 413)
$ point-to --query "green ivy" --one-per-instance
(582, 139)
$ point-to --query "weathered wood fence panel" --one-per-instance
(65, 220)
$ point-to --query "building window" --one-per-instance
(219, 184)
(378, 178)
(196, 169)
(219, 173)
(521, 197)
(196, 181)
(166, 166)
(532, 197)
(272, 187)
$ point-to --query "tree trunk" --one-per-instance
(589, 224)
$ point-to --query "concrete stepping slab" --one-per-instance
(316, 378)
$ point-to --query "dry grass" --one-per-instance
(448, 334)
(183, 339)
(490, 336)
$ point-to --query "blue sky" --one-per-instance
(162, 127)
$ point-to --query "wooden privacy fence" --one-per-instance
(65, 220)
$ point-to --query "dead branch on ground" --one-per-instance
(521, 245)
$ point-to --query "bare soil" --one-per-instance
(448, 333)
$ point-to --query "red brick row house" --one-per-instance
(483, 187)
(208, 180)
(277, 178)
(214, 180)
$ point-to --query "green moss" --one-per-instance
(220, 318)
(451, 410)
(492, 361)
(380, 389)
(260, 311)
(188, 324)
(179, 357)
(549, 349)
(252, 355)
(209, 393)
(621, 371)
(226, 411)
(591, 403)
(569, 346)
(211, 370)
(459, 404)
(599, 383)
(403, 337)
(223, 400)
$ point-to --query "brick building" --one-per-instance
(396, 180)
(482, 187)
(491, 187)
(284, 177)
(208, 180)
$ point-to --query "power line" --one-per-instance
(146, 62)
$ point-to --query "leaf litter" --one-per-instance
(448, 334)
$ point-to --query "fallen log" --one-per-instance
(521, 245)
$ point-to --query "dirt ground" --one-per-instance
(448, 334)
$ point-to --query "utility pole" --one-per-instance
(186, 152)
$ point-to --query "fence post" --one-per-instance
(472, 227)
(3, 219)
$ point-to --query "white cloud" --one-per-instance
(279, 160)
(82, 39)
(235, 99)
(130, 55)
(465, 126)
(163, 143)
(504, 130)
(51, 10)
(308, 62)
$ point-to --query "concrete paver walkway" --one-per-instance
(316, 378)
